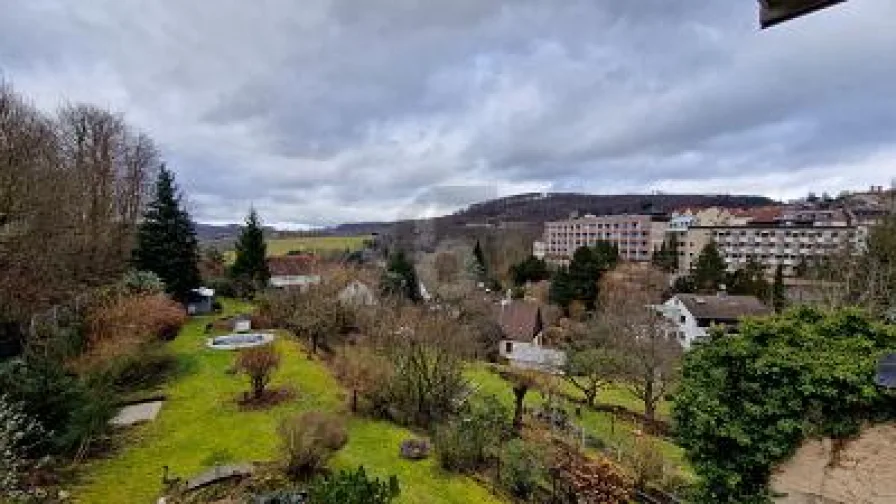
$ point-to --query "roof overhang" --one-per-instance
(773, 12)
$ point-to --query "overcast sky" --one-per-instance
(327, 111)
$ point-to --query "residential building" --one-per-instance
(636, 236)
(296, 271)
(694, 315)
(357, 293)
(787, 244)
(680, 221)
(522, 324)
(539, 249)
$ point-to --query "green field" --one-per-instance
(200, 425)
(316, 244)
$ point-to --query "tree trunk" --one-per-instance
(354, 400)
(649, 403)
(591, 398)
(519, 394)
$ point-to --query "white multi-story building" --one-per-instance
(787, 245)
(636, 236)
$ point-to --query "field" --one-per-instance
(316, 244)
(200, 426)
(323, 246)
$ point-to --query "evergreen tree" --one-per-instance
(779, 293)
(479, 257)
(560, 292)
(166, 240)
(400, 278)
(750, 281)
(666, 258)
(251, 266)
(709, 269)
(586, 268)
(531, 269)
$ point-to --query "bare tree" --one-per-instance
(592, 361)
(649, 352)
(72, 187)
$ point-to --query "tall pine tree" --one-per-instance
(251, 266)
(709, 269)
(166, 240)
(479, 259)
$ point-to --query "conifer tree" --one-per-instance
(400, 278)
(250, 266)
(166, 240)
(709, 269)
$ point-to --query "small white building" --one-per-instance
(531, 355)
(357, 293)
(694, 314)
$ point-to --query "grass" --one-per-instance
(318, 245)
(603, 425)
(200, 425)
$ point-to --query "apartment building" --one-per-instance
(787, 244)
(636, 236)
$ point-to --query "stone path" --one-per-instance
(137, 413)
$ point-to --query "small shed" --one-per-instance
(200, 301)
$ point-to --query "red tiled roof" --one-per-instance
(291, 265)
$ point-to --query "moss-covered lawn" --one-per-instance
(200, 425)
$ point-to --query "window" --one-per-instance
(682, 319)
(508, 347)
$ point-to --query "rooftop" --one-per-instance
(723, 306)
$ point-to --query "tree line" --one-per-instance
(73, 186)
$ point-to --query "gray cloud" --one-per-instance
(326, 111)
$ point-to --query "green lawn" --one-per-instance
(316, 244)
(200, 425)
(615, 432)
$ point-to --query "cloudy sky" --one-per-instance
(327, 111)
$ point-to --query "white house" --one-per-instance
(531, 355)
(522, 325)
(296, 271)
(693, 314)
(357, 293)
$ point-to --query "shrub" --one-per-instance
(354, 487)
(122, 326)
(521, 468)
(258, 363)
(468, 443)
(141, 370)
(309, 440)
(17, 433)
(780, 380)
(585, 479)
(645, 460)
(367, 375)
(142, 282)
(72, 410)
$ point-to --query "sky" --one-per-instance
(319, 112)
